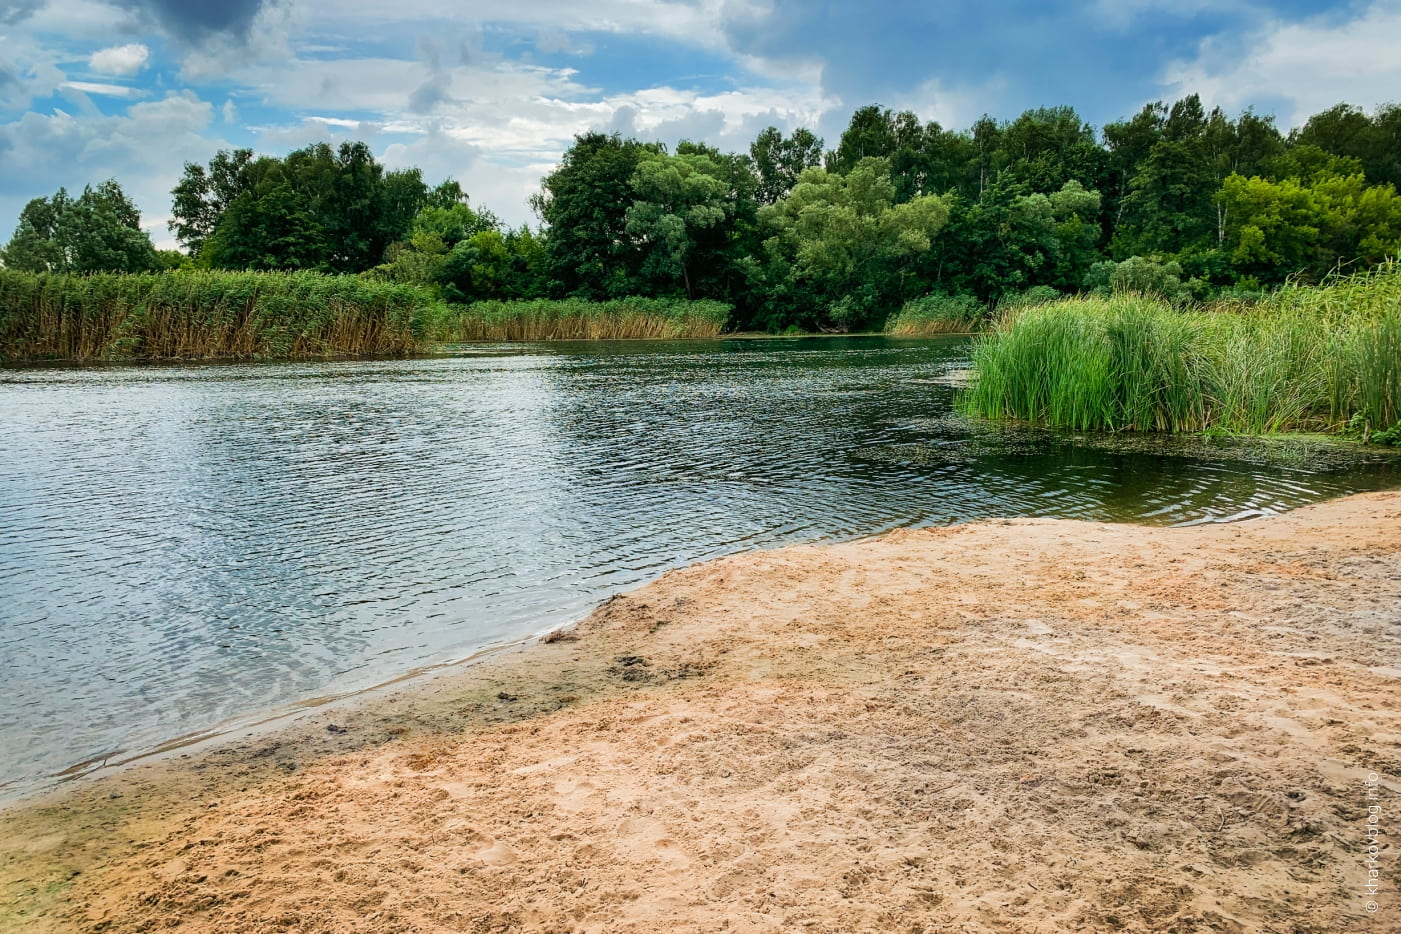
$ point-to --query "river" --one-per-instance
(183, 545)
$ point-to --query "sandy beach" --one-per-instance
(1020, 725)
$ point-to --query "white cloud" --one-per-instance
(27, 71)
(1312, 64)
(120, 59)
(41, 152)
(696, 23)
(106, 90)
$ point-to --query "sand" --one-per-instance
(1024, 725)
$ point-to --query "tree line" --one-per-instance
(1174, 199)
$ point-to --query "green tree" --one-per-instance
(202, 195)
(675, 199)
(585, 203)
(99, 231)
(267, 227)
(1308, 227)
(840, 251)
(778, 161)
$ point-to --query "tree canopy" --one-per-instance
(1176, 198)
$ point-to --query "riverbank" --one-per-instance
(1021, 725)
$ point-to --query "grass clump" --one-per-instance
(206, 314)
(937, 314)
(576, 319)
(1303, 359)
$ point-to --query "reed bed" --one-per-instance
(575, 319)
(932, 315)
(1324, 358)
(193, 314)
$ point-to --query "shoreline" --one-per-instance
(1174, 721)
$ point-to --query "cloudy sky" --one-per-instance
(492, 92)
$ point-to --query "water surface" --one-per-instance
(182, 545)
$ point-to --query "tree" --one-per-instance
(1307, 227)
(355, 208)
(778, 162)
(585, 203)
(267, 227)
(35, 245)
(99, 231)
(202, 196)
(675, 199)
(840, 250)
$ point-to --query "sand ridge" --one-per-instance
(1018, 725)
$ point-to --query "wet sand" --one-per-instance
(1023, 725)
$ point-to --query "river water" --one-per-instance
(184, 545)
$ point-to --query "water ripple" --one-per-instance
(182, 545)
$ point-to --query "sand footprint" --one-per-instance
(573, 796)
(494, 853)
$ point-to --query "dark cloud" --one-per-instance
(198, 20)
(1009, 54)
(13, 11)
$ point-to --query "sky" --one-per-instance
(491, 93)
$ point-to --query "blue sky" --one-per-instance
(491, 93)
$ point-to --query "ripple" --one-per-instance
(183, 545)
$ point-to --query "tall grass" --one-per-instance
(575, 319)
(935, 314)
(207, 314)
(1303, 359)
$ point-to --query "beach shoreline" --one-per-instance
(1011, 725)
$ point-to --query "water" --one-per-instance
(184, 545)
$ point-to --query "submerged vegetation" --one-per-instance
(574, 319)
(201, 314)
(1304, 358)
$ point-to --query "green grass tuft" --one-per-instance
(1302, 359)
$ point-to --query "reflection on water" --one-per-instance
(179, 545)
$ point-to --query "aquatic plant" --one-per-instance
(204, 314)
(576, 319)
(1301, 359)
(936, 313)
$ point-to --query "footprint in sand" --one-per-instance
(495, 853)
(574, 796)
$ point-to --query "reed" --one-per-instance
(931, 315)
(575, 319)
(1320, 358)
(201, 314)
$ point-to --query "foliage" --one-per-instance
(839, 248)
(335, 210)
(585, 202)
(778, 162)
(675, 199)
(99, 231)
(1177, 201)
